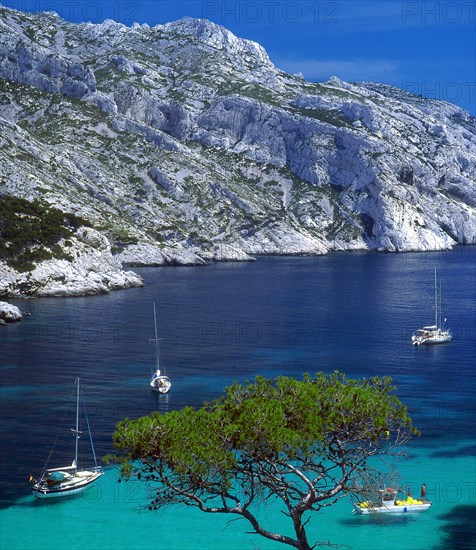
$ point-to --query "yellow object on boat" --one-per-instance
(410, 500)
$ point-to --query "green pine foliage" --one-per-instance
(30, 232)
(304, 443)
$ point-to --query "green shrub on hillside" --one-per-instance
(29, 231)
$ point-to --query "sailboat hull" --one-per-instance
(438, 338)
(77, 484)
(160, 384)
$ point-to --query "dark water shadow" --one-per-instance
(467, 450)
(378, 520)
(459, 529)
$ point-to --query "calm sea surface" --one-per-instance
(353, 312)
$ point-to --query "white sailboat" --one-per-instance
(158, 382)
(434, 334)
(68, 480)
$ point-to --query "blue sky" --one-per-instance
(425, 47)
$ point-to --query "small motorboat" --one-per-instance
(388, 503)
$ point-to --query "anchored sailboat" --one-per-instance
(434, 334)
(158, 382)
(68, 480)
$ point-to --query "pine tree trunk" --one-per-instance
(300, 532)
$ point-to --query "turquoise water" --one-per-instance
(353, 312)
(109, 516)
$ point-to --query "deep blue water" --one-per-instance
(353, 312)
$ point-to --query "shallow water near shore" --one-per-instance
(352, 312)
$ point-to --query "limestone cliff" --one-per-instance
(183, 144)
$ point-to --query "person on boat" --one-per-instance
(423, 492)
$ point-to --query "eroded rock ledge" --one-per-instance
(92, 270)
(9, 313)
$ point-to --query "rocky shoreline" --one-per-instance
(183, 144)
(9, 313)
(91, 269)
(96, 271)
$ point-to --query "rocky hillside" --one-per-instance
(183, 144)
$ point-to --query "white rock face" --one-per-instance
(93, 270)
(34, 64)
(145, 254)
(281, 240)
(9, 313)
(183, 144)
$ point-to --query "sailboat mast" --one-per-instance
(436, 302)
(440, 307)
(76, 433)
(156, 340)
